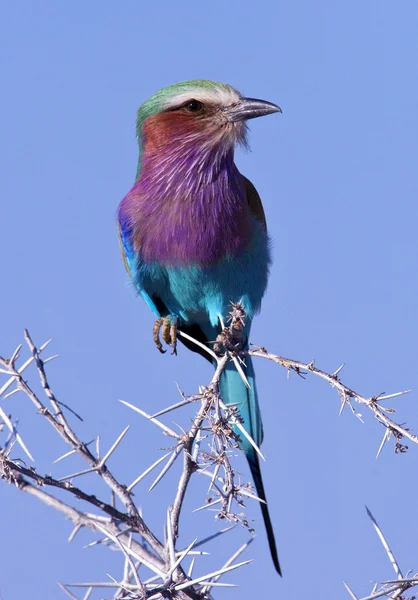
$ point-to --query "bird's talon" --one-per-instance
(156, 334)
(220, 343)
(168, 331)
(173, 338)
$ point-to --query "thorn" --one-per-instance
(12, 445)
(233, 557)
(342, 407)
(21, 443)
(335, 374)
(205, 348)
(209, 584)
(174, 407)
(214, 476)
(180, 391)
(74, 532)
(113, 447)
(88, 593)
(15, 354)
(15, 391)
(215, 535)
(397, 581)
(64, 589)
(352, 594)
(166, 429)
(44, 345)
(68, 454)
(155, 596)
(85, 472)
(208, 505)
(190, 570)
(386, 546)
(184, 585)
(181, 557)
(47, 360)
(167, 466)
(241, 371)
(385, 439)
(12, 379)
(145, 473)
(249, 495)
(380, 397)
(243, 431)
(125, 553)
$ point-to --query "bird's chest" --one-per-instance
(194, 292)
(200, 230)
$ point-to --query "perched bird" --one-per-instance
(193, 231)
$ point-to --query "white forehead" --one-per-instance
(223, 96)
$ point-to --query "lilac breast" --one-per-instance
(188, 212)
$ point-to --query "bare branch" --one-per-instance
(208, 444)
(347, 395)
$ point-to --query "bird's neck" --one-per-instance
(185, 165)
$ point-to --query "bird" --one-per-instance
(193, 234)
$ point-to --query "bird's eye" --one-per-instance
(194, 106)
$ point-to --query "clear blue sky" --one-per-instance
(337, 173)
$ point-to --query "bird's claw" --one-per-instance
(229, 339)
(156, 334)
(173, 336)
(168, 330)
(220, 343)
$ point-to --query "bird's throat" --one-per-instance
(188, 207)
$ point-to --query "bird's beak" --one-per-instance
(250, 108)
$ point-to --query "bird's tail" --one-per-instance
(233, 390)
(253, 461)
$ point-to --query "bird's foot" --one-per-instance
(168, 329)
(231, 338)
(227, 341)
(169, 333)
(220, 343)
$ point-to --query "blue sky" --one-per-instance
(337, 175)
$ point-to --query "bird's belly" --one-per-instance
(195, 292)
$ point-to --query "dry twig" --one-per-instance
(208, 447)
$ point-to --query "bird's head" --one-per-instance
(200, 113)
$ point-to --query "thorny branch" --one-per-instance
(208, 447)
(127, 530)
(189, 463)
(393, 589)
(347, 395)
(9, 471)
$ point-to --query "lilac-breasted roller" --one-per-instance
(193, 231)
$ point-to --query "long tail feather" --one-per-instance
(254, 463)
(234, 390)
